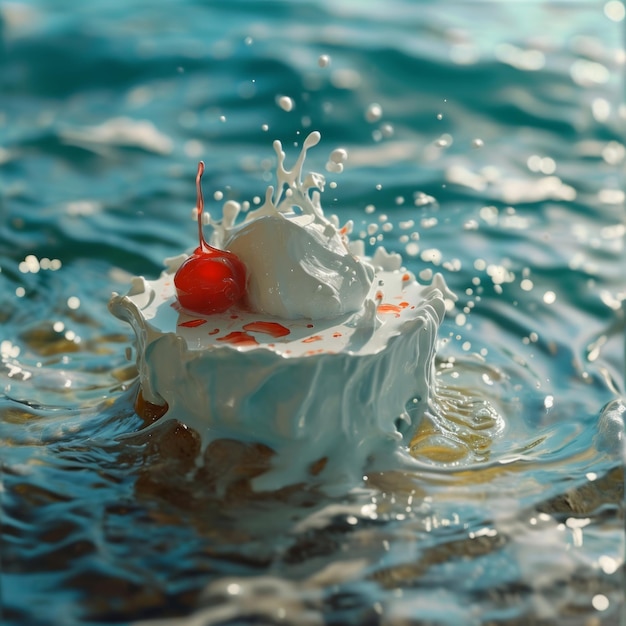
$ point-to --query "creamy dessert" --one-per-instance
(281, 332)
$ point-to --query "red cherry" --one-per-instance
(210, 280)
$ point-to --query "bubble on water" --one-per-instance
(285, 103)
(615, 10)
(345, 79)
(386, 130)
(453, 265)
(323, 60)
(73, 302)
(549, 297)
(611, 196)
(587, 73)
(264, 127)
(233, 589)
(426, 274)
(370, 208)
(439, 116)
(489, 214)
(499, 274)
(222, 118)
(529, 60)
(445, 141)
(428, 222)
(9, 350)
(608, 564)
(412, 249)
(601, 109)
(432, 255)
(547, 166)
(423, 199)
(29, 265)
(374, 112)
(600, 602)
(613, 153)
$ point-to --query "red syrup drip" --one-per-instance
(274, 329)
(312, 338)
(389, 308)
(192, 323)
(210, 280)
(239, 338)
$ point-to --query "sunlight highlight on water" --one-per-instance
(485, 142)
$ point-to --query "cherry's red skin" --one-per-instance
(210, 281)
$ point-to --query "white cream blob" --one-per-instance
(299, 268)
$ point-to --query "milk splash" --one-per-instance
(301, 264)
(291, 195)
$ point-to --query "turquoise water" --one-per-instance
(501, 140)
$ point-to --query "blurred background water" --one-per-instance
(485, 141)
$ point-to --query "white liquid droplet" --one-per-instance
(374, 112)
(324, 60)
(339, 155)
(285, 103)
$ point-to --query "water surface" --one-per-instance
(497, 159)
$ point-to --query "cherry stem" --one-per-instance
(200, 206)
